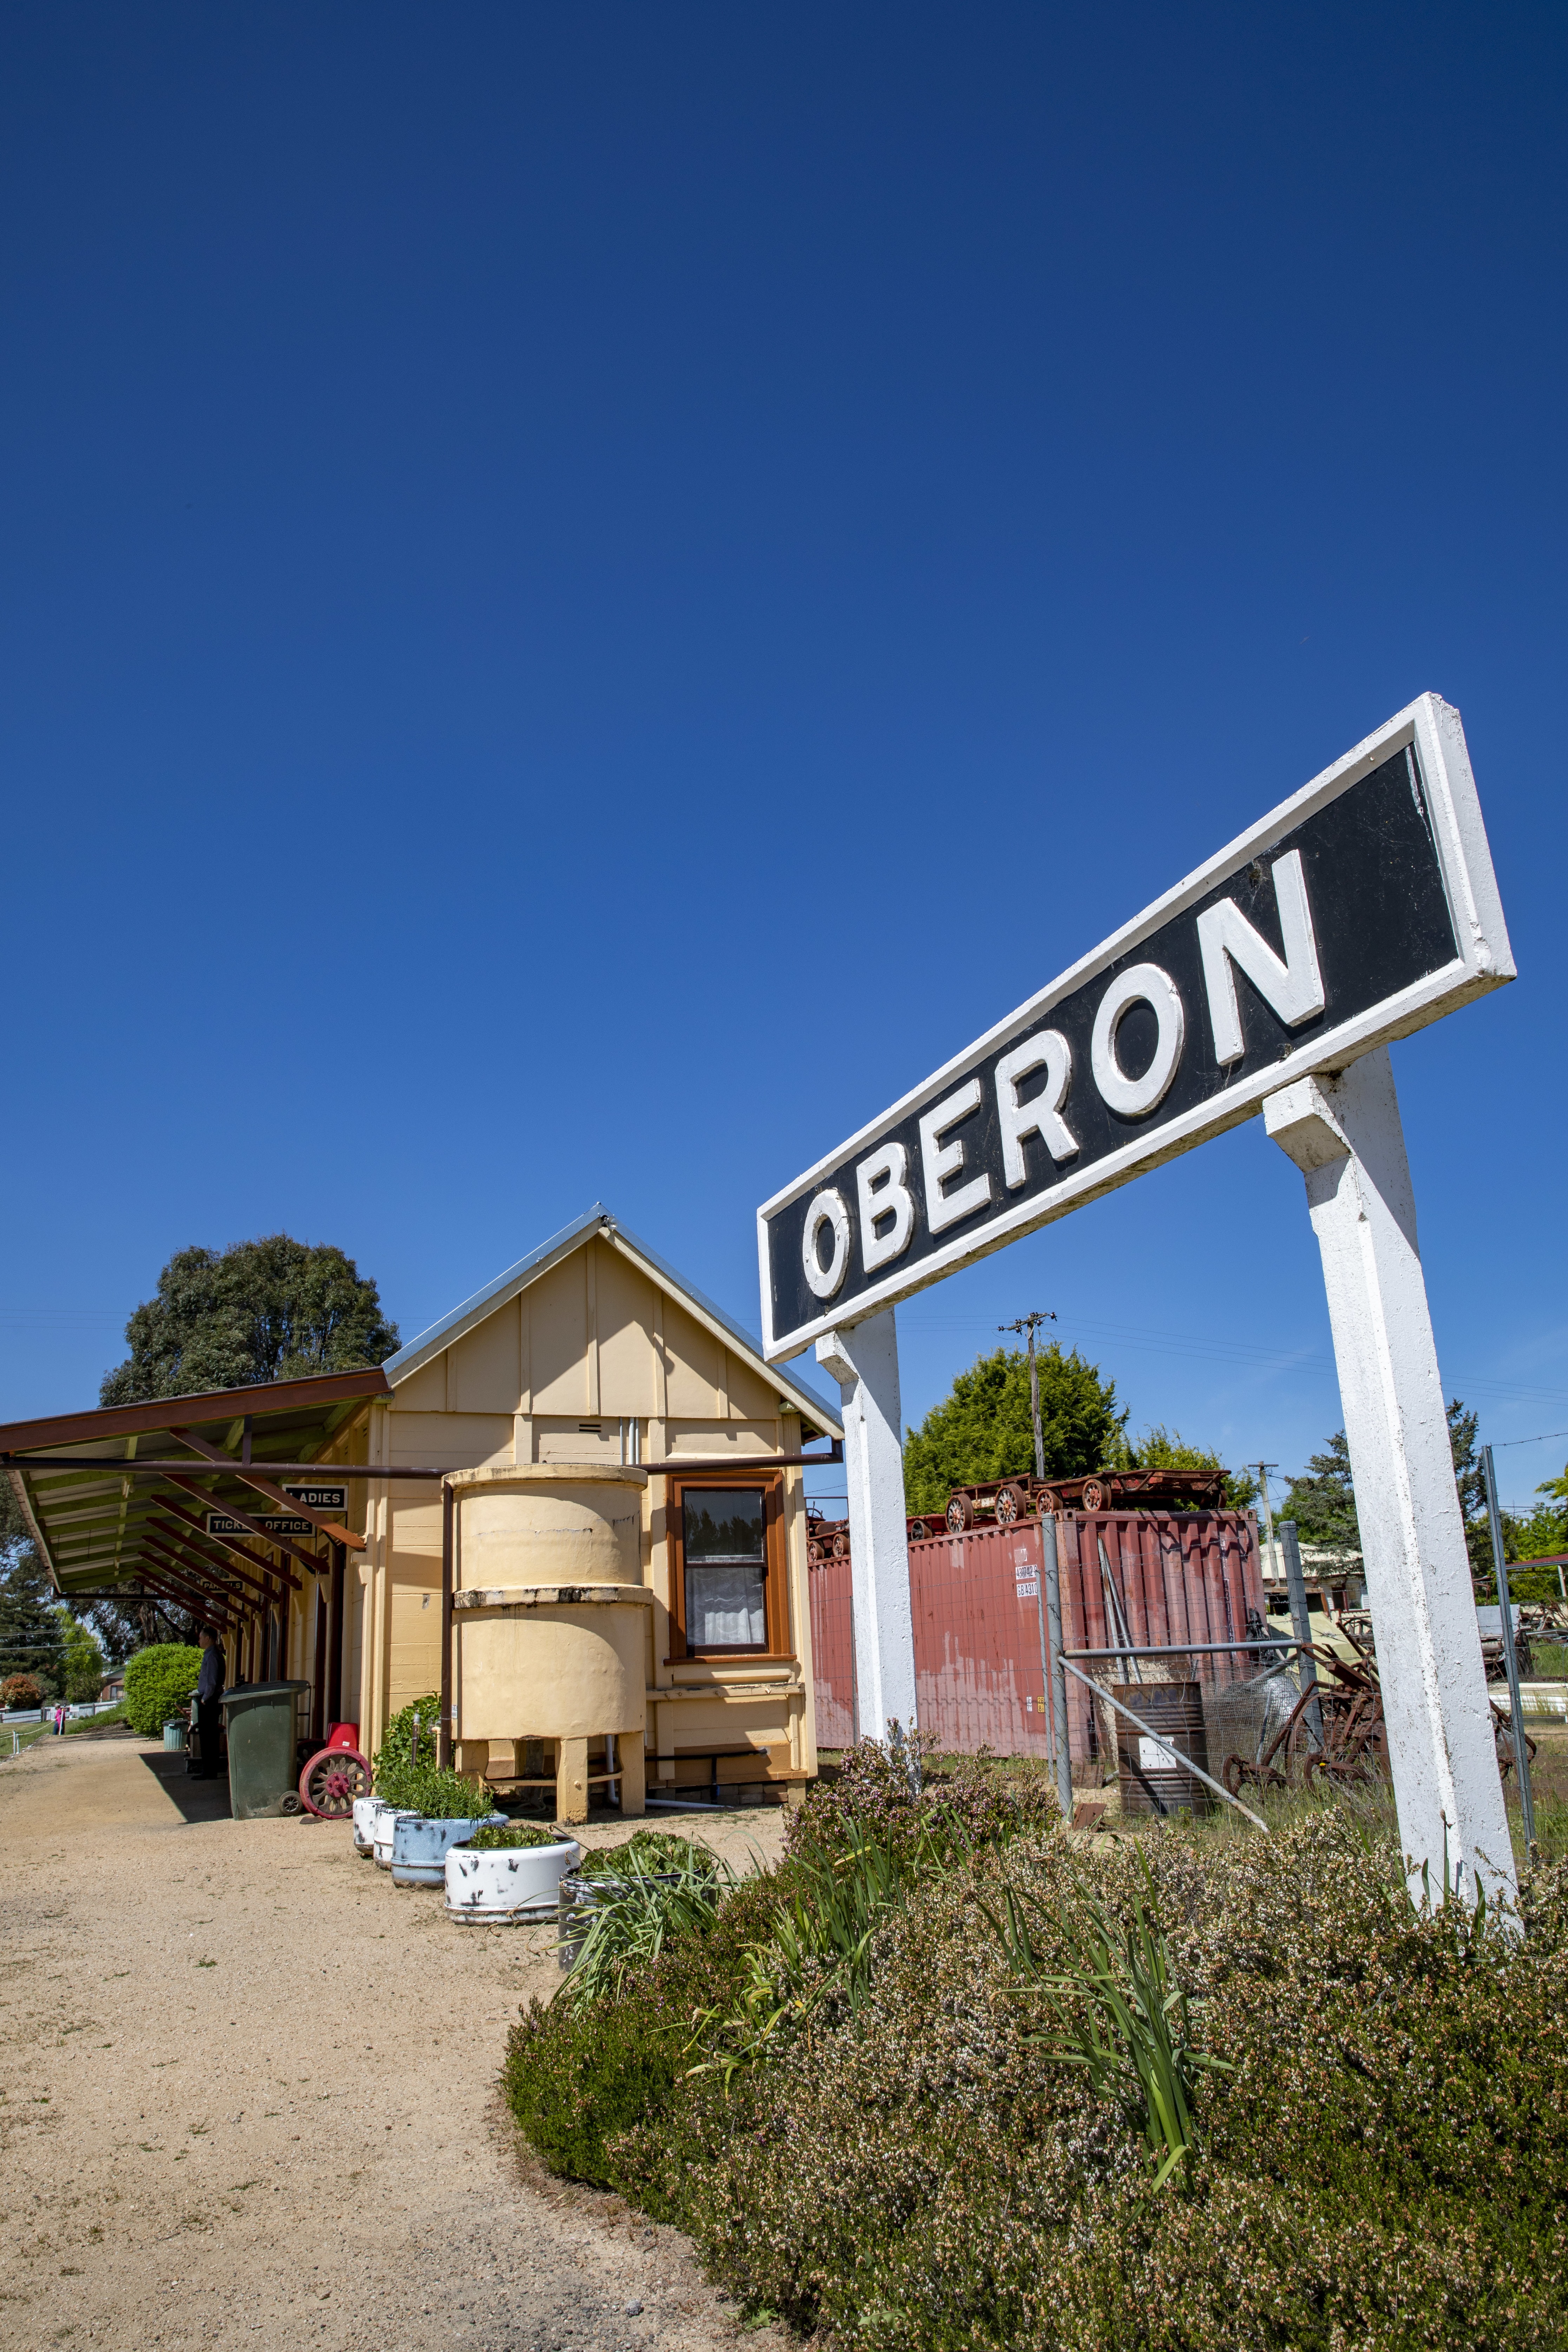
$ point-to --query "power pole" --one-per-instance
(1031, 1324)
(1263, 1468)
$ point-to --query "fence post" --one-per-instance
(1058, 1680)
(1510, 1657)
(1301, 1626)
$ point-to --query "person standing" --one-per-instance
(209, 1690)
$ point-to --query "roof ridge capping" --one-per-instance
(599, 1219)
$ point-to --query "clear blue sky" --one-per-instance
(591, 591)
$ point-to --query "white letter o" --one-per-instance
(828, 1209)
(1143, 983)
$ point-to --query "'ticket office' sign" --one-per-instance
(1356, 912)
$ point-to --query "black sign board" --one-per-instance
(1357, 911)
(314, 1499)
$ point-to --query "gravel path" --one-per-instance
(247, 2092)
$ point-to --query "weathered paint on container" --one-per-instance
(512, 1883)
(420, 1847)
(367, 1812)
(980, 1680)
(1150, 1781)
(384, 1828)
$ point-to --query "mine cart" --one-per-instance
(1005, 1501)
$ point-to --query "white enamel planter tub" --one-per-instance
(368, 1810)
(382, 1830)
(420, 1847)
(517, 1882)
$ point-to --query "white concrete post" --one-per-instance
(1343, 1132)
(864, 1360)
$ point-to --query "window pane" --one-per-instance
(724, 1605)
(724, 1523)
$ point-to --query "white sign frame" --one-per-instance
(1484, 961)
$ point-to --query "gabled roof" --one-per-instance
(600, 1221)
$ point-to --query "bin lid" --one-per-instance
(250, 1691)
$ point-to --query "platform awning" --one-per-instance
(213, 1529)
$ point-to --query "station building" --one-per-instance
(278, 1512)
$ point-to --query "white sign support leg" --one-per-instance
(1344, 1133)
(864, 1360)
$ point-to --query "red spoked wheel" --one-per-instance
(331, 1781)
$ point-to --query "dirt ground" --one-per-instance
(248, 2087)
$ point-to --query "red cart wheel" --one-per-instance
(1094, 1495)
(331, 1781)
(1011, 1505)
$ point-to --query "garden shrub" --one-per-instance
(159, 1681)
(20, 1691)
(1385, 2164)
(577, 2079)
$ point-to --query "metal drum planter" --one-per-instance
(1151, 1781)
(507, 1883)
(551, 1623)
(420, 1845)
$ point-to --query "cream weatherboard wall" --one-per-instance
(594, 1353)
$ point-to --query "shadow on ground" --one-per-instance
(195, 1800)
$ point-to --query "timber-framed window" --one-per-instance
(729, 1589)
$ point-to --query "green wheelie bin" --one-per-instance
(263, 1774)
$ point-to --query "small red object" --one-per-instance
(343, 1734)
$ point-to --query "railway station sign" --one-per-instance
(1353, 913)
(315, 1498)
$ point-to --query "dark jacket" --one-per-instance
(211, 1681)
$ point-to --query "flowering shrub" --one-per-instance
(20, 1690)
(1383, 2160)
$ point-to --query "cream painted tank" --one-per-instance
(551, 1617)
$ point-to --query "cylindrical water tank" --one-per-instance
(550, 1605)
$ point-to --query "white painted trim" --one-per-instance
(1485, 960)
(600, 1223)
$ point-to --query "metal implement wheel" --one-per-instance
(1050, 1501)
(1094, 1495)
(813, 1552)
(960, 1514)
(331, 1781)
(1011, 1505)
(841, 1546)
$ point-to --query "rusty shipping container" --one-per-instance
(979, 1606)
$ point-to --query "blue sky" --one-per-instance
(588, 593)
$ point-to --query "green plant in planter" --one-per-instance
(439, 1796)
(495, 1839)
(646, 1851)
(650, 1906)
(404, 1753)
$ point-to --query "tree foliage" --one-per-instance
(983, 1428)
(273, 1310)
(32, 1623)
(1321, 1501)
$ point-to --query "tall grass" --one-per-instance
(638, 1911)
(1120, 2013)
